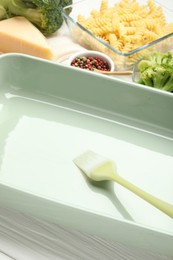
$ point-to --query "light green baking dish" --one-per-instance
(49, 114)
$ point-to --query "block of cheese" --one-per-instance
(19, 35)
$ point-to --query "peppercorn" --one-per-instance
(90, 63)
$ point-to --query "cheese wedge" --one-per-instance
(19, 35)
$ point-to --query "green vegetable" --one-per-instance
(156, 70)
(44, 14)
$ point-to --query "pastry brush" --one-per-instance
(99, 168)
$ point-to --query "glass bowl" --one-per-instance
(124, 58)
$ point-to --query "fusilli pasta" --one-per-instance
(126, 26)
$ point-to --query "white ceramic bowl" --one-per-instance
(89, 53)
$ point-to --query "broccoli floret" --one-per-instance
(147, 77)
(44, 14)
(168, 86)
(160, 58)
(156, 70)
(3, 13)
(144, 64)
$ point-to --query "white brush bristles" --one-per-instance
(88, 161)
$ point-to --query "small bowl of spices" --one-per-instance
(91, 60)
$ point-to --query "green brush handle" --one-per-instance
(160, 204)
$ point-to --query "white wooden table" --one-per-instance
(26, 238)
